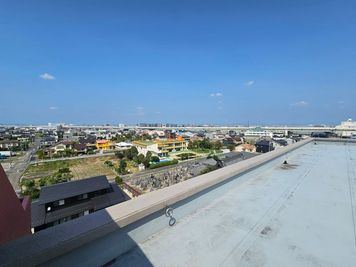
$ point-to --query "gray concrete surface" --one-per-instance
(301, 215)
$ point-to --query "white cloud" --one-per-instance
(299, 104)
(218, 94)
(47, 76)
(249, 83)
(53, 108)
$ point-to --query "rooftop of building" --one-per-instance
(143, 143)
(258, 212)
(102, 141)
(72, 188)
(157, 141)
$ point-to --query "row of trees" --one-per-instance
(205, 144)
(133, 155)
(131, 136)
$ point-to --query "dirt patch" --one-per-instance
(80, 168)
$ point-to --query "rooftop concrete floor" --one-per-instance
(300, 215)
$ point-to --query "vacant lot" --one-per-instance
(80, 168)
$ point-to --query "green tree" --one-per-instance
(68, 152)
(118, 180)
(40, 154)
(140, 158)
(217, 145)
(120, 155)
(122, 167)
(29, 188)
(134, 151)
(131, 153)
(231, 147)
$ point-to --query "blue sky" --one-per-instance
(219, 62)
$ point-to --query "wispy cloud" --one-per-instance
(301, 103)
(47, 76)
(341, 104)
(53, 108)
(249, 83)
(140, 111)
(218, 94)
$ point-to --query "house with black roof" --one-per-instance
(263, 146)
(63, 202)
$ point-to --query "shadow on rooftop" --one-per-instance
(106, 244)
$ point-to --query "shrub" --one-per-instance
(64, 170)
(155, 159)
(120, 155)
(118, 180)
(109, 163)
(162, 164)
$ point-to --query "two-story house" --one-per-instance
(63, 202)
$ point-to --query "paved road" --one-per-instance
(18, 167)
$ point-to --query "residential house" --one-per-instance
(263, 146)
(9, 144)
(48, 141)
(62, 146)
(80, 148)
(63, 202)
(161, 148)
(104, 144)
(123, 146)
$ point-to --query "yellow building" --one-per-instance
(104, 144)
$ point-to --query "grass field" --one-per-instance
(80, 168)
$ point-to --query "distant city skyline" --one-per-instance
(184, 62)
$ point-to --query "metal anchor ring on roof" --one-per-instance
(172, 221)
(169, 212)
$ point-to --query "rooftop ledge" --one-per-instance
(56, 241)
